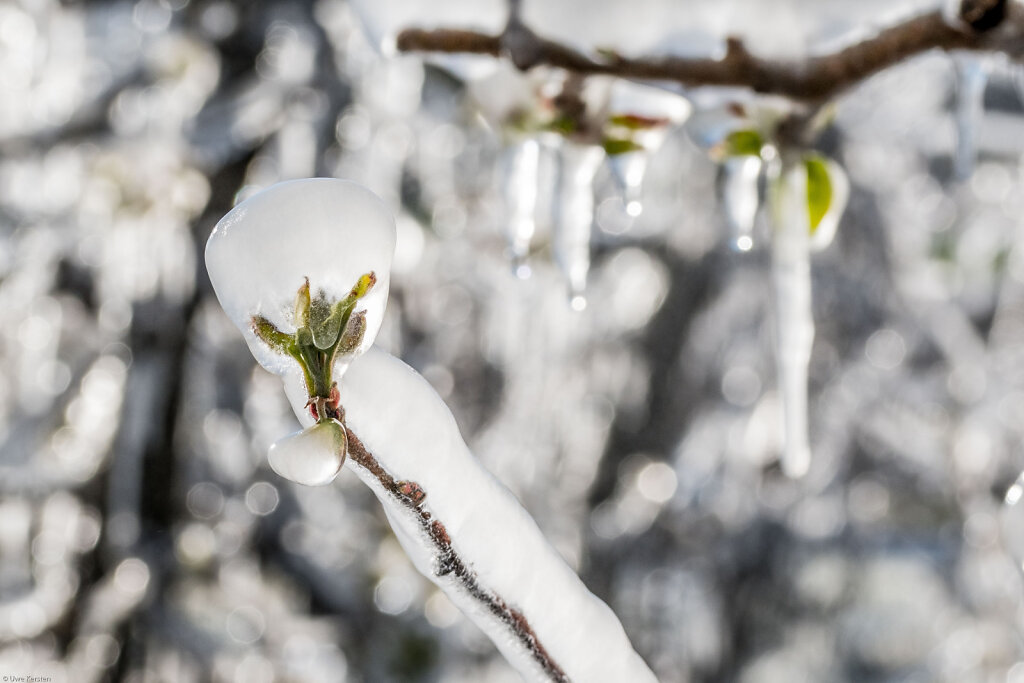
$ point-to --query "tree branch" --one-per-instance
(448, 562)
(813, 80)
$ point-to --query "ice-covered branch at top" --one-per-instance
(554, 88)
(302, 269)
(986, 25)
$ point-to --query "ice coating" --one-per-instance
(412, 434)
(794, 325)
(313, 456)
(331, 231)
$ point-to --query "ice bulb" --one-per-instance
(313, 456)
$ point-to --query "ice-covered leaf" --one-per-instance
(331, 232)
(313, 456)
(743, 142)
(819, 190)
(615, 146)
(827, 193)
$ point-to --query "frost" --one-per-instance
(575, 216)
(313, 456)
(412, 434)
(329, 231)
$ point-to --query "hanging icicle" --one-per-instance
(640, 120)
(971, 78)
(521, 163)
(574, 215)
(628, 171)
(808, 199)
(739, 193)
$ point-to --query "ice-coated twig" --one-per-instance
(981, 25)
(448, 563)
(469, 535)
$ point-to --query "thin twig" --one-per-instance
(448, 562)
(815, 79)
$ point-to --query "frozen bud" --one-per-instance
(313, 456)
(318, 234)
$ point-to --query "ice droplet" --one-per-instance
(575, 214)
(739, 195)
(331, 231)
(313, 456)
(791, 277)
(520, 166)
(971, 78)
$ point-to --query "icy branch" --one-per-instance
(448, 562)
(470, 536)
(981, 25)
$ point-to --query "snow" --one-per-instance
(331, 231)
(410, 431)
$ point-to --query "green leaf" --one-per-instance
(563, 125)
(270, 335)
(743, 143)
(614, 146)
(819, 190)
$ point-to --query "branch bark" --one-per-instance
(449, 563)
(813, 80)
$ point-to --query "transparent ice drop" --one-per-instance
(739, 194)
(521, 165)
(313, 456)
(575, 216)
(794, 325)
(628, 171)
(971, 78)
(329, 231)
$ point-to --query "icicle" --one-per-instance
(739, 194)
(520, 194)
(972, 77)
(791, 277)
(628, 170)
(575, 216)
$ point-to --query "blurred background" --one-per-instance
(143, 537)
